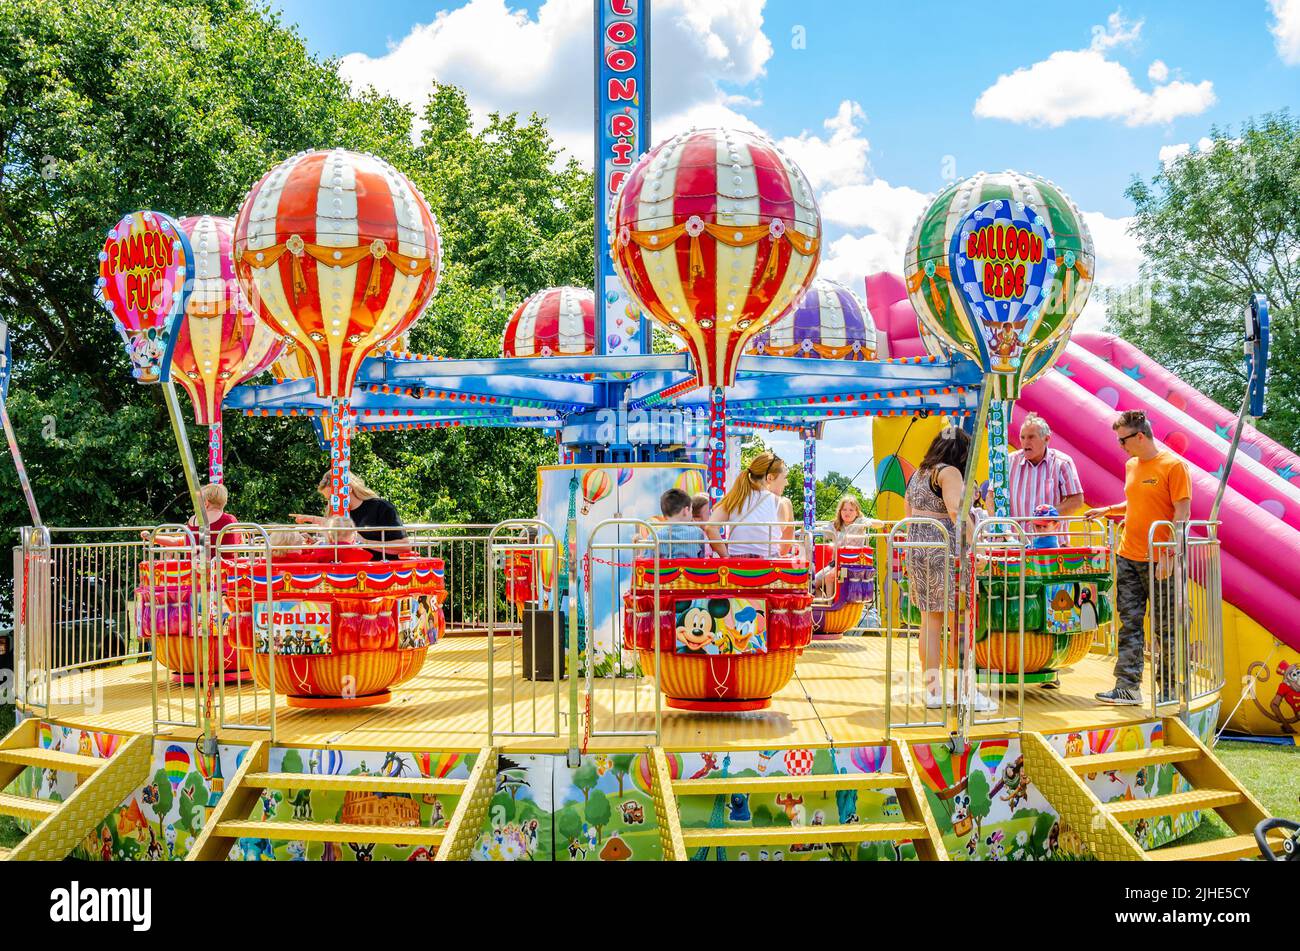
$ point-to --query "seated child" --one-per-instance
(214, 497)
(701, 508)
(337, 543)
(679, 536)
(1045, 524)
(286, 544)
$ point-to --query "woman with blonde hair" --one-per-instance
(375, 518)
(751, 506)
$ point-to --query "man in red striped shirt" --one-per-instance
(1041, 475)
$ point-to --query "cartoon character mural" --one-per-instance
(696, 621)
(1284, 708)
(720, 626)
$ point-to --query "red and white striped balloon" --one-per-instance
(559, 321)
(716, 233)
(341, 253)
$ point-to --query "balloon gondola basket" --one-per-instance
(854, 586)
(339, 635)
(168, 612)
(1067, 595)
(730, 629)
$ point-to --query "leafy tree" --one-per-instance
(828, 489)
(585, 778)
(569, 824)
(762, 816)
(292, 762)
(1215, 226)
(193, 801)
(182, 106)
(165, 798)
(622, 766)
(977, 787)
(598, 812)
(503, 808)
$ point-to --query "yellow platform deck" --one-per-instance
(838, 697)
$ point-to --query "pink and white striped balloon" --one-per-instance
(220, 341)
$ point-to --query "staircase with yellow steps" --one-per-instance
(1101, 824)
(229, 821)
(916, 826)
(61, 826)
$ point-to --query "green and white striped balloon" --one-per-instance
(930, 285)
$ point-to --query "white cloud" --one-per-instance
(543, 63)
(1085, 84)
(837, 160)
(879, 217)
(1286, 30)
(1171, 153)
(1118, 262)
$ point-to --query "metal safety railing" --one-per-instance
(919, 564)
(526, 611)
(1184, 597)
(869, 535)
(994, 584)
(464, 550)
(612, 695)
(174, 608)
(73, 610)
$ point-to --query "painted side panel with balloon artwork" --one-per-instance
(161, 819)
(599, 492)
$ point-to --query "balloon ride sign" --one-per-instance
(1003, 260)
(145, 268)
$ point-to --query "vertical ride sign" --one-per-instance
(622, 130)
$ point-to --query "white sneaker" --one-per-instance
(983, 704)
(933, 700)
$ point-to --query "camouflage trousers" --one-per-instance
(1132, 594)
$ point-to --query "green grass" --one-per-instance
(1271, 772)
(10, 832)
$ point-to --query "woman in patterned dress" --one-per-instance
(934, 492)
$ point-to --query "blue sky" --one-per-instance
(878, 101)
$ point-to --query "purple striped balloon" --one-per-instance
(829, 321)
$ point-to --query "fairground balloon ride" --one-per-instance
(712, 237)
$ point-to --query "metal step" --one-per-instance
(1131, 759)
(827, 782)
(21, 807)
(329, 832)
(775, 835)
(52, 759)
(1217, 850)
(386, 784)
(1129, 810)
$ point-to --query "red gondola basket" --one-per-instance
(167, 611)
(340, 634)
(731, 673)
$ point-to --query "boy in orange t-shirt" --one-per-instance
(1157, 488)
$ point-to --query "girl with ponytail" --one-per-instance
(754, 501)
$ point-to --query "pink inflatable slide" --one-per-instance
(1099, 375)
